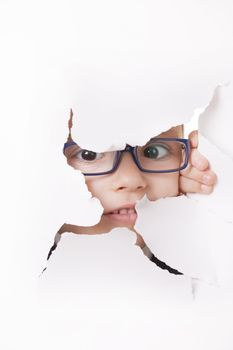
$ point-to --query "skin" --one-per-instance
(128, 185)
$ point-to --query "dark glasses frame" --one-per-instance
(133, 151)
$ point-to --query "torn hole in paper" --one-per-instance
(128, 185)
(200, 266)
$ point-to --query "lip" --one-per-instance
(129, 217)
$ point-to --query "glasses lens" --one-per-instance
(90, 162)
(159, 155)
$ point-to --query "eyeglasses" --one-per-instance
(159, 155)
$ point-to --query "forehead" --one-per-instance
(176, 131)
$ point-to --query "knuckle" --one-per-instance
(188, 185)
(206, 189)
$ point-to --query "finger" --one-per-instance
(197, 160)
(192, 186)
(193, 138)
(207, 177)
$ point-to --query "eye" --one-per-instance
(86, 155)
(155, 151)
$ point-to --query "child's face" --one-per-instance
(124, 187)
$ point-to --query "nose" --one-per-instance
(128, 177)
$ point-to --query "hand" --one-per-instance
(197, 177)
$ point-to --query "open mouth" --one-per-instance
(127, 215)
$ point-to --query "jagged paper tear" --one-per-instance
(195, 233)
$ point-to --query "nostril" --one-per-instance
(125, 187)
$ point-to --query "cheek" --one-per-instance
(71, 162)
(97, 186)
(162, 185)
